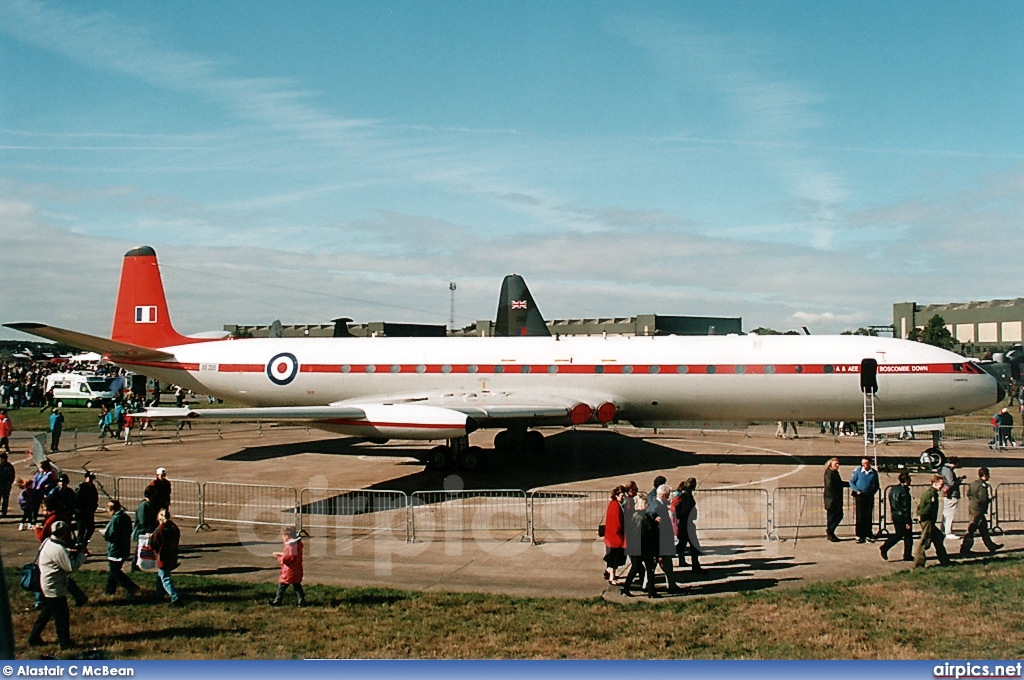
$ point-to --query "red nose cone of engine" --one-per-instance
(606, 412)
(580, 414)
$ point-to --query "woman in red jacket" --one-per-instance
(290, 560)
(614, 536)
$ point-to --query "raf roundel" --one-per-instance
(282, 369)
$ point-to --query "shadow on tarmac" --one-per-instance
(569, 456)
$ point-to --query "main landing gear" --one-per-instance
(932, 456)
(458, 452)
(455, 452)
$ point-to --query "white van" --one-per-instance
(79, 389)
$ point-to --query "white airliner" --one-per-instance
(445, 388)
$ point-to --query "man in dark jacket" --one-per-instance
(979, 495)
(118, 535)
(87, 499)
(834, 490)
(63, 496)
(7, 476)
(928, 513)
(900, 502)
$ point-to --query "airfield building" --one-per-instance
(980, 327)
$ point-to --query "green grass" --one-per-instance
(969, 611)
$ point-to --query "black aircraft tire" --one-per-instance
(501, 441)
(933, 457)
(440, 458)
(534, 442)
(472, 458)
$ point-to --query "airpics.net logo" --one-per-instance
(966, 669)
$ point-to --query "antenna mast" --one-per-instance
(451, 317)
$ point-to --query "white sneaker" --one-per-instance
(951, 536)
(21, 527)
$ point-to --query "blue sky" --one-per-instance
(791, 163)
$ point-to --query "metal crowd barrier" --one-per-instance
(1009, 504)
(733, 509)
(960, 518)
(482, 512)
(571, 511)
(251, 504)
(186, 497)
(794, 507)
(354, 510)
(566, 512)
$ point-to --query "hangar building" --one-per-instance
(979, 327)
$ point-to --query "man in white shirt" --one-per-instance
(57, 559)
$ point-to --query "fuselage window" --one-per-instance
(627, 369)
(471, 369)
(829, 368)
(769, 369)
(741, 369)
(552, 369)
(799, 369)
(682, 369)
(598, 369)
(499, 369)
(712, 369)
(395, 368)
(370, 368)
(525, 368)
(421, 369)
(654, 369)
(346, 368)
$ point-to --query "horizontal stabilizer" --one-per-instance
(91, 343)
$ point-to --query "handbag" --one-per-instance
(146, 559)
(600, 530)
(31, 577)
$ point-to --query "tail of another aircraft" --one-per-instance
(518, 314)
(141, 316)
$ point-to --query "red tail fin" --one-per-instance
(141, 316)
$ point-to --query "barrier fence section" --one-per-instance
(186, 497)
(484, 512)
(251, 504)
(566, 512)
(570, 512)
(794, 507)
(733, 509)
(354, 510)
(961, 517)
(1009, 503)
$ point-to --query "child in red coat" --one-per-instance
(290, 560)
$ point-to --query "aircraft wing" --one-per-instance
(91, 343)
(504, 408)
(256, 413)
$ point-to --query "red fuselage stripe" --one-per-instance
(575, 369)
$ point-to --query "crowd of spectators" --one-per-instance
(23, 383)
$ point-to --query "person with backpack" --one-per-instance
(900, 504)
(928, 514)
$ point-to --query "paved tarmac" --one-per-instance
(560, 565)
